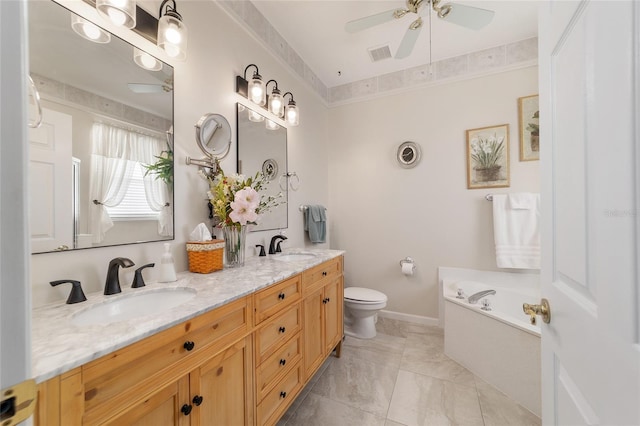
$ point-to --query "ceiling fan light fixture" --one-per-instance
(443, 11)
(121, 12)
(89, 30)
(146, 61)
(172, 31)
(399, 13)
(416, 24)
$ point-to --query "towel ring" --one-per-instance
(290, 183)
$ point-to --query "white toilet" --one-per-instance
(360, 308)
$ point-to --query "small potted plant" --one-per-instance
(534, 128)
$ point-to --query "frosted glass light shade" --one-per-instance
(146, 61)
(172, 37)
(120, 12)
(89, 30)
(292, 115)
(276, 103)
(257, 92)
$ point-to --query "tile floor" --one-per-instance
(401, 377)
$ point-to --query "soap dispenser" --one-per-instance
(167, 268)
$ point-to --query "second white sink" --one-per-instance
(133, 306)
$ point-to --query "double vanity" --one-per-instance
(234, 347)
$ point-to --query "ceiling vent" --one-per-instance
(379, 53)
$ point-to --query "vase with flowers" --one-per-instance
(236, 203)
(486, 154)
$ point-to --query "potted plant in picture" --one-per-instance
(486, 154)
(236, 203)
(534, 128)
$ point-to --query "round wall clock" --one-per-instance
(409, 154)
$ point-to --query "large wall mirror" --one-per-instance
(262, 147)
(107, 116)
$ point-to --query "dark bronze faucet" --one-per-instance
(272, 246)
(112, 285)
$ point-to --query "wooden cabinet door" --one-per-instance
(333, 302)
(162, 408)
(222, 388)
(313, 310)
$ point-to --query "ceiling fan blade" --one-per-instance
(369, 21)
(468, 16)
(145, 88)
(408, 42)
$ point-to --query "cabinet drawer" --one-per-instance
(114, 380)
(273, 333)
(280, 397)
(315, 277)
(271, 370)
(270, 301)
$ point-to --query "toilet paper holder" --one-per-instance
(408, 260)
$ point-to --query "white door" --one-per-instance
(50, 183)
(589, 109)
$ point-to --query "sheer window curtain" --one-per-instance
(115, 152)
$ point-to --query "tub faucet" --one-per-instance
(473, 299)
(272, 246)
(112, 285)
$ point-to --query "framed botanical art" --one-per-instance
(488, 157)
(528, 119)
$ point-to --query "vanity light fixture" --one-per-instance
(172, 32)
(89, 30)
(121, 12)
(254, 89)
(276, 102)
(291, 113)
(146, 61)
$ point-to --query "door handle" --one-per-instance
(542, 309)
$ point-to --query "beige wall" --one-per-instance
(218, 51)
(385, 213)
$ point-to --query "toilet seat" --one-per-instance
(364, 295)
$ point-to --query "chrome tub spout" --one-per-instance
(473, 299)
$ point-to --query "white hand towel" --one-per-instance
(522, 200)
(517, 231)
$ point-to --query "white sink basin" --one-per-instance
(134, 306)
(292, 257)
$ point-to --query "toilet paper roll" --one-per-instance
(407, 268)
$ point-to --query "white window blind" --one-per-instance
(134, 206)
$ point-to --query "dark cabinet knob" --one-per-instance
(325, 301)
(281, 296)
(186, 409)
(324, 273)
(283, 361)
(328, 299)
(188, 345)
(283, 394)
(197, 400)
(282, 329)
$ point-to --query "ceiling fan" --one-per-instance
(466, 16)
(166, 87)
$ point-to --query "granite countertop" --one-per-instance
(59, 345)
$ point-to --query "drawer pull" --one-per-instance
(281, 296)
(324, 273)
(186, 409)
(188, 345)
(328, 299)
(282, 329)
(197, 400)
(283, 394)
(325, 300)
(283, 361)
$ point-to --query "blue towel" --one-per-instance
(315, 223)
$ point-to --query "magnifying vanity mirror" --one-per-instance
(101, 164)
(213, 135)
(262, 147)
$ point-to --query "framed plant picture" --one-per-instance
(488, 157)
(528, 119)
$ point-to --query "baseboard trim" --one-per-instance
(417, 319)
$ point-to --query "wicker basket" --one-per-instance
(205, 256)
